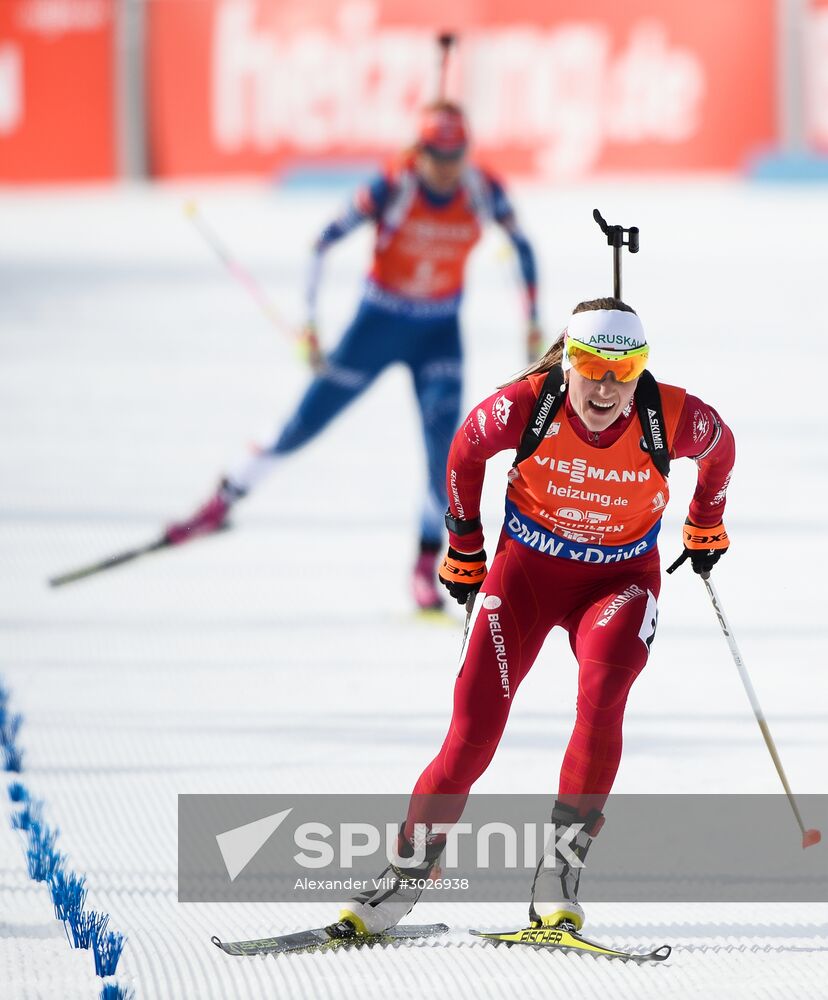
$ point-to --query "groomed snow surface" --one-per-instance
(282, 656)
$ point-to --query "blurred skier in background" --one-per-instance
(594, 434)
(428, 212)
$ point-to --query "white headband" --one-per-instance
(607, 329)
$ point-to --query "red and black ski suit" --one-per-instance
(577, 549)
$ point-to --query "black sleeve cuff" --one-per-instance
(459, 527)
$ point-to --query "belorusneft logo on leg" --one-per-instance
(490, 603)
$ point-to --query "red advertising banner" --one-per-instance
(57, 115)
(552, 89)
(816, 74)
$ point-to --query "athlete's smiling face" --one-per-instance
(599, 404)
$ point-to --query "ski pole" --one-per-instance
(241, 274)
(109, 563)
(470, 616)
(809, 837)
(469, 608)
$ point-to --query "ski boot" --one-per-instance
(397, 890)
(424, 578)
(555, 890)
(207, 519)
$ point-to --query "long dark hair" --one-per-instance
(554, 355)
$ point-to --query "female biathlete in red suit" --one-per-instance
(578, 550)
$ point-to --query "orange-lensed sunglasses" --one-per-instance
(594, 364)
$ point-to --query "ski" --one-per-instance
(110, 562)
(331, 938)
(563, 939)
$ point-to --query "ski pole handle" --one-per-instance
(679, 562)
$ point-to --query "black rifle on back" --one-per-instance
(616, 239)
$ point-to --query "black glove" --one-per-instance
(462, 573)
(704, 547)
